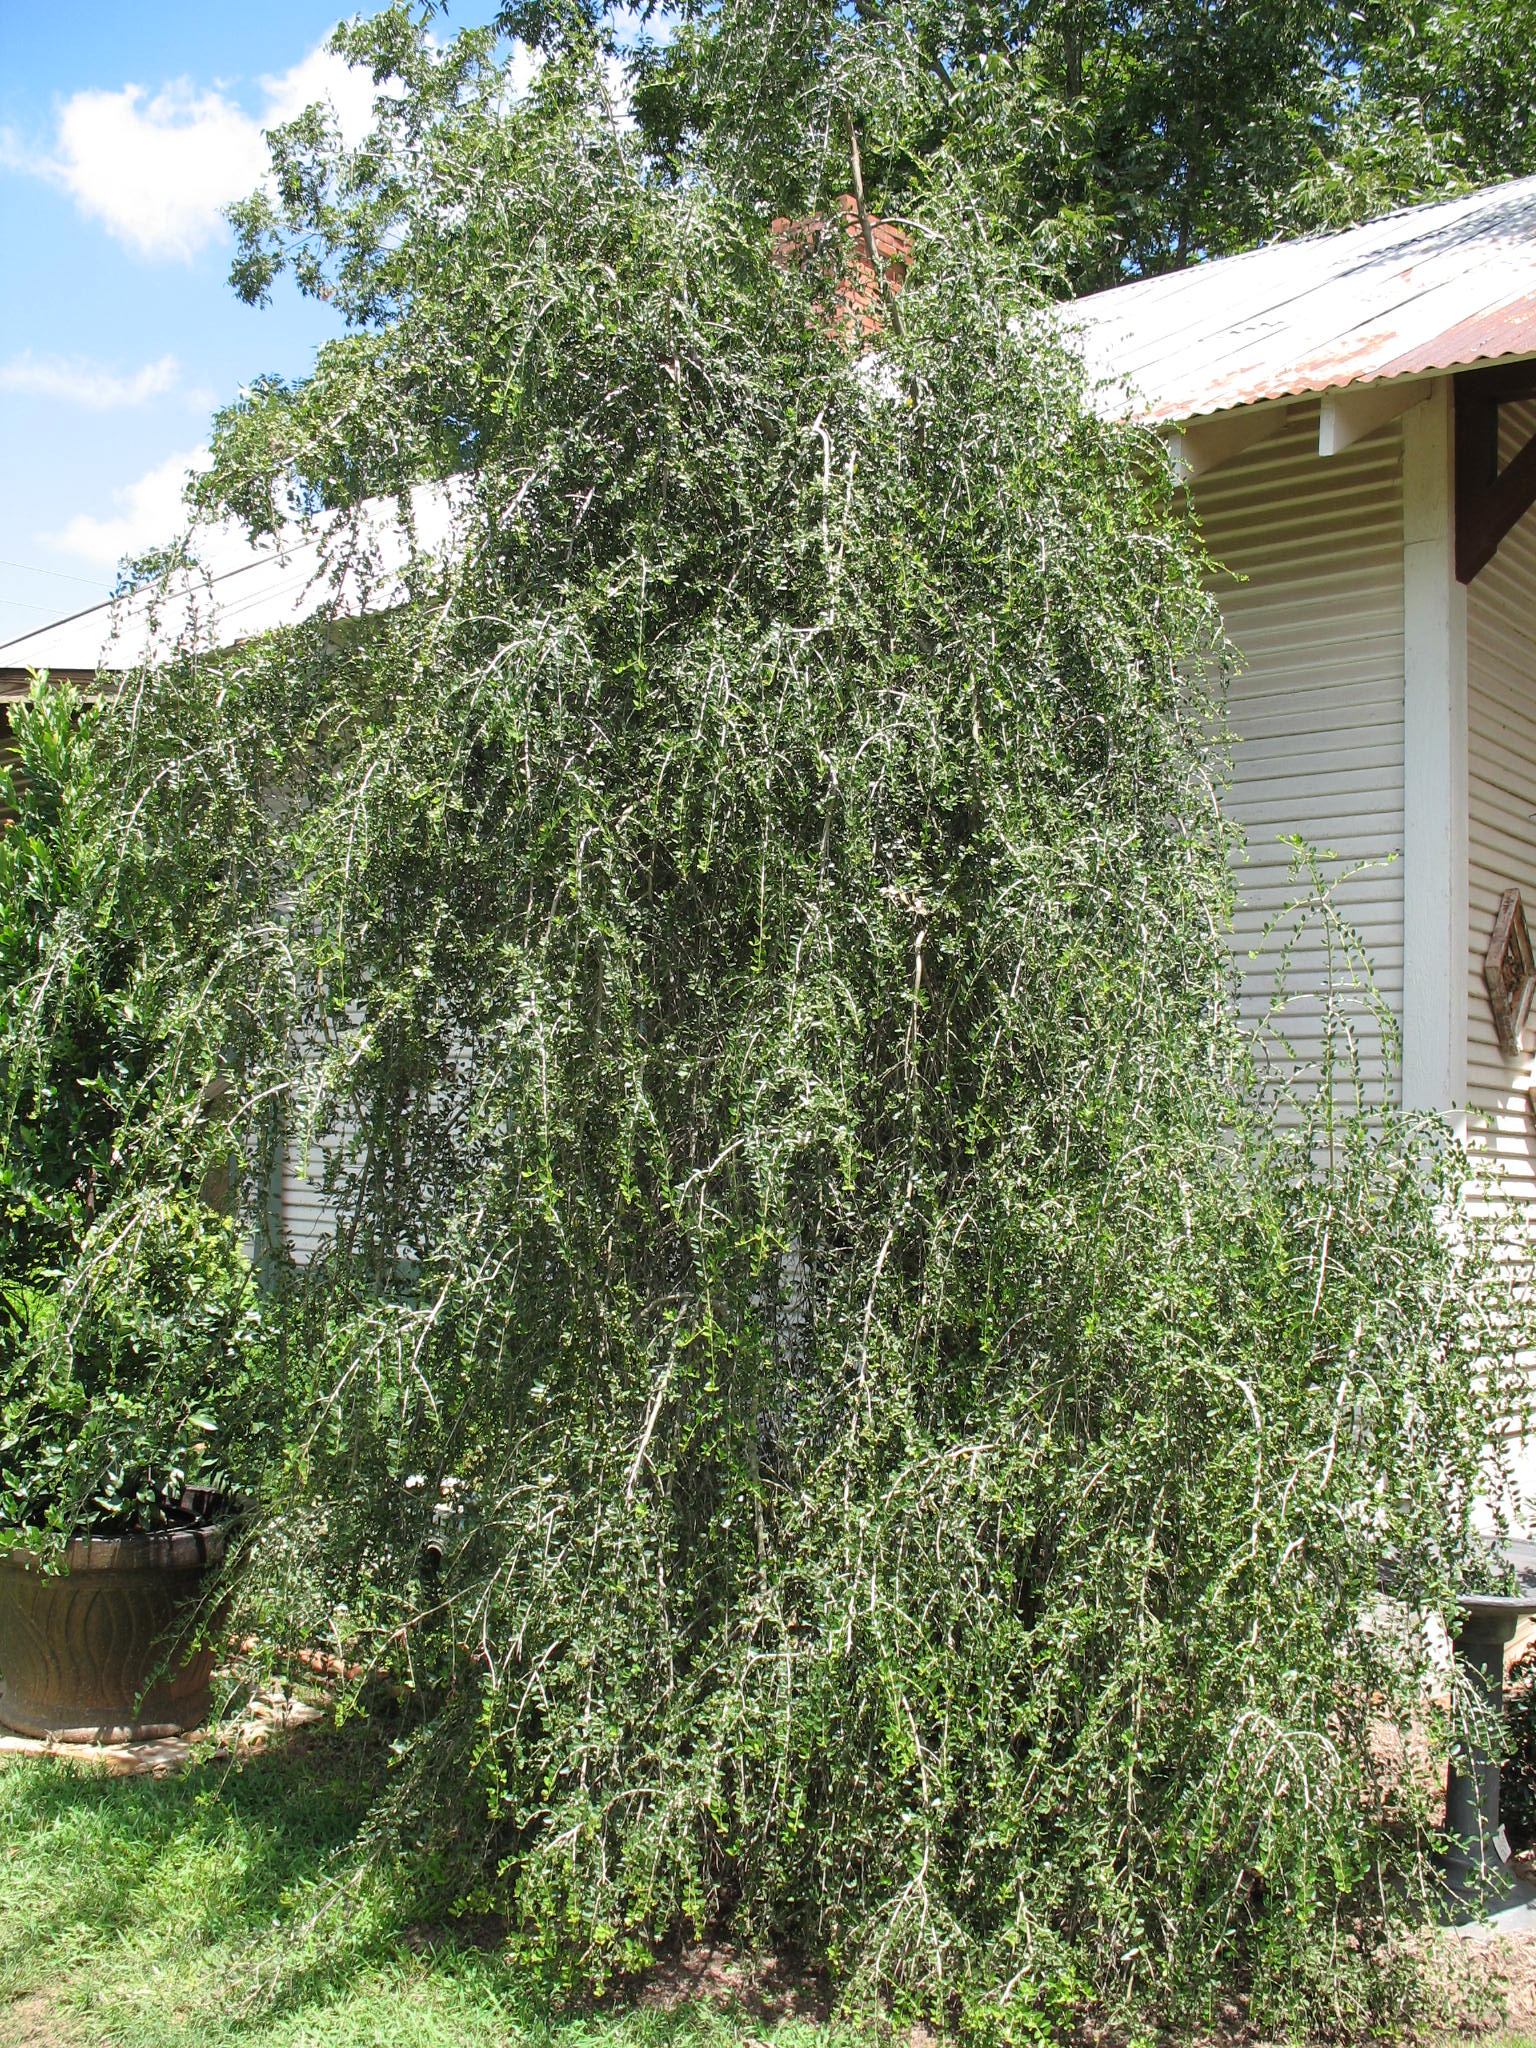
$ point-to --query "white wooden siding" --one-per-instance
(1501, 825)
(309, 1216)
(1317, 712)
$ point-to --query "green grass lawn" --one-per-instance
(226, 1906)
(229, 1905)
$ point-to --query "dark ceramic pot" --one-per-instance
(107, 1651)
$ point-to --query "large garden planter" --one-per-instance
(107, 1651)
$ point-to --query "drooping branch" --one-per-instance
(871, 246)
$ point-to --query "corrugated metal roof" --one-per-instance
(1434, 288)
(242, 588)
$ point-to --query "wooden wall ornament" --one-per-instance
(1509, 970)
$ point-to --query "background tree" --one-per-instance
(1114, 140)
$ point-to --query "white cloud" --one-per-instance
(150, 514)
(157, 169)
(525, 67)
(79, 381)
(156, 172)
(349, 92)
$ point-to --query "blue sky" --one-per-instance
(123, 129)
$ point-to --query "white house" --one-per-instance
(1354, 420)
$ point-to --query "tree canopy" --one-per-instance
(1114, 139)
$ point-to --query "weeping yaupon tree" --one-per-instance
(753, 925)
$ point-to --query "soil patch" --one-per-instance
(35, 2022)
(766, 1988)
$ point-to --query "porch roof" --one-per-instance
(1435, 288)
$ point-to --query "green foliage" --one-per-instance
(1112, 140)
(127, 1303)
(918, 1435)
(1452, 78)
(851, 1408)
(1118, 139)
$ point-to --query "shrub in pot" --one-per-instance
(129, 1319)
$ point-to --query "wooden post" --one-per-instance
(1434, 769)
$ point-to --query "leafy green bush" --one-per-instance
(126, 1308)
(911, 1432)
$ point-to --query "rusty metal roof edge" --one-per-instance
(1422, 292)
(1173, 413)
